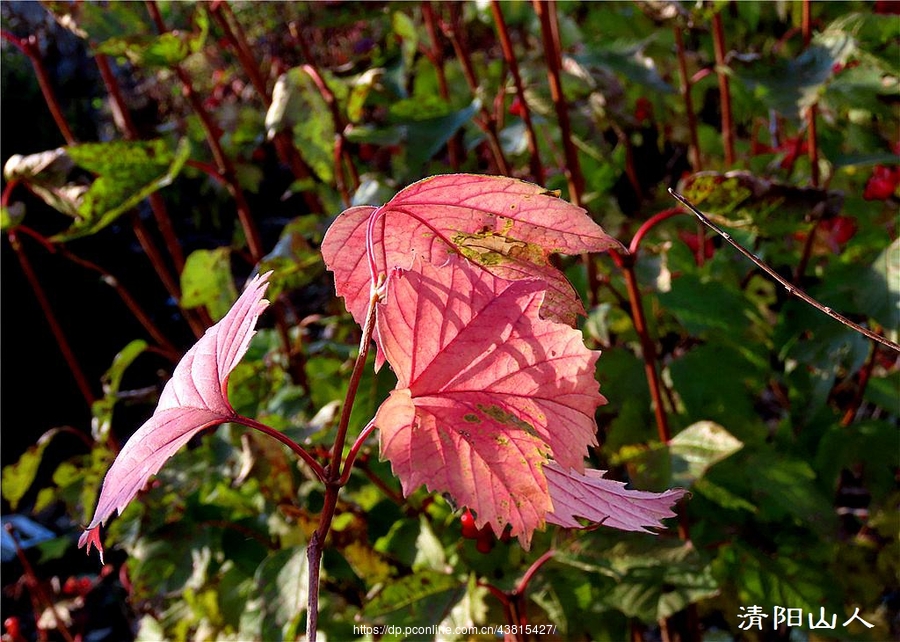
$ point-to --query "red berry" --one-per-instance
(882, 184)
(469, 530)
(11, 624)
(484, 545)
(516, 108)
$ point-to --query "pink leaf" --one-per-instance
(506, 225)
(487, 391)
(590, 496)
(193, 399)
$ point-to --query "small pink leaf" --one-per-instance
(487, 391)
(508, 226)
(590, 496)
(193, 399)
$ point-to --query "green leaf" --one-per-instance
(18, 477)
(793, 85)
(654, 578)
(785, 489)
(426, 137)
(698, 447)
(11, 215)
(705, 306)
(283, 584)
(127, 173)
(206, 281)
(298, 106)
(293, 259)
(102, 409)
(627, 58)
(885, 392)
(409, 590)
(774, 580)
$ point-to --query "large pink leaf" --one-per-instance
(487, 391)
(590, 496)
(193, 399)
(508, 226)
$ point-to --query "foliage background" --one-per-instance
(783, 423)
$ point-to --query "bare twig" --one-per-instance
(791, 288)
(724, 90)
(537, 168)
(50, 315)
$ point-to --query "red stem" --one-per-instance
(168, 349)
(333, 475)
(456, 35)
(724, 90)
(694, 149)
(30, 48)
(537, 168)
(55, 328)
(546, 12)
(213, 133)
(648, 348)
(436, 56)
(290, 443)
(649, 224)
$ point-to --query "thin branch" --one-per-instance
(537, 168)
(792, 289)
(30, 48)
(724, 89)
(290, 443)
(50, 316)
(456, 35)
(213, 133)
(436, 56)
(694, 149)
(333, 474)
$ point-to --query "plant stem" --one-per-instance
(55, 328)
(30, 48)
(537, 168)
(694, 149)
(792, 289)
(724, 89)
(167, 348)
(648, 347)
(334, 476)
(436, 56)
(456, 35)
(223, 162)
(38, 593)
(649, 224)
(129, 130)
(290, 443)
(546, 12)
(340, 124)
(550, 35)
(812, 150)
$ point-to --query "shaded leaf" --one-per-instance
(127, 172)
(408, 590)
(194, 399)
(283, 583)
(487, 391)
